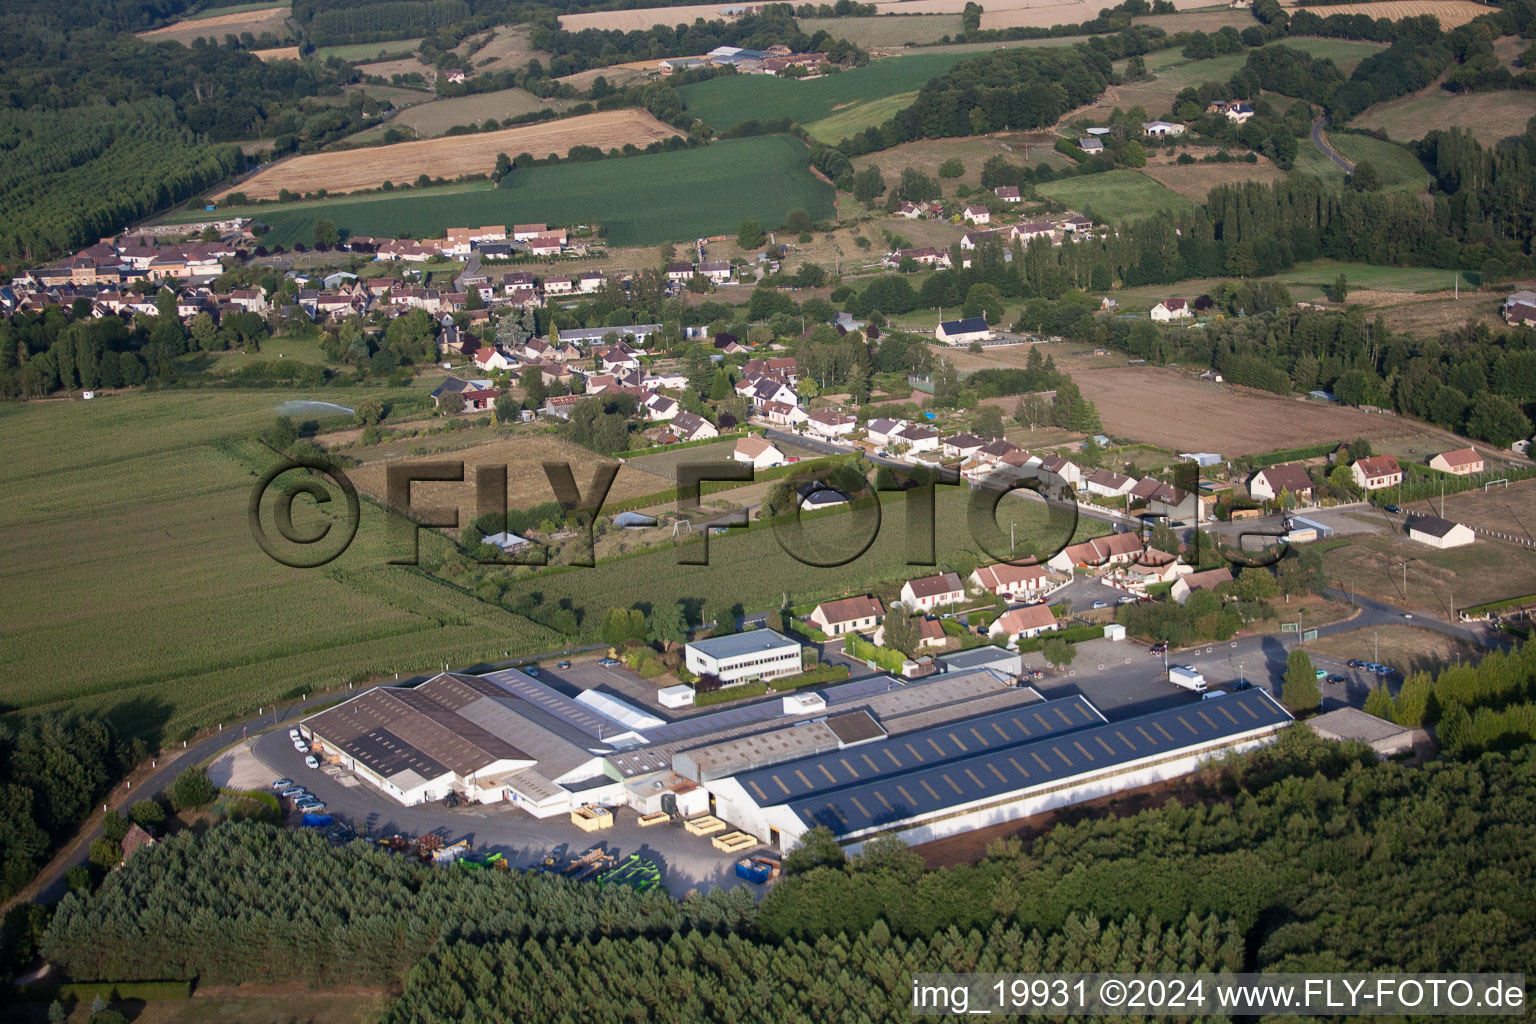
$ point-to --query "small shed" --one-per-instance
(1384, 737)
(1114, 631)
(679, 696)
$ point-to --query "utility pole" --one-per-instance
(1377, 638)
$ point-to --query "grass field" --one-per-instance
(450, 157)
(1451, 13)
(1321, 273)
(216, 24)
(133, 583)
(888, 30)
(728, 101)
(508, 49)
(279, 53)
(214, 12)
(1485, 571)
(368, 51)
(1405, 648)
(859, 116)
(1400, 170)
(637, 199)
(1507, 509)
(1195, 181)
(1115, 195)
(1489, 116)
(430, 120)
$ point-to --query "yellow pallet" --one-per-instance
(659, 818)
(731, 842)
(707, 825)
(591, 819)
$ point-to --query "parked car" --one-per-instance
(281, 784)
(301, 746)
(1320, 673)
(1356, 663)
(532, 671)
(562, 664)
(1036, 673)
(293, 734)
(1385, 670)
(312, 805)
(1101, 604)
(1242, 684)
(1336, 678)
(312, 761)
(608, 662)
(1213, 694)
(1158, 649)
(1127, 599)
(1393, 509)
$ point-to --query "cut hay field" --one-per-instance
(1451, 13)
(430, 120)
(268, 19)
(886, 30)
(351, 170)
(1489, 116)
(725, 102)
(637, 200)
(1015, 13)
(133, 584)
(1115, 195)
(1195, 181)
(1170, 410)
(640, 20)
(278, 53)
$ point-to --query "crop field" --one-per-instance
(278, 53)
(859, 116)
(215, 12)
(353, 52)
(216, 26)
(133, 584)
(1451, 13)
(1489, 116)
(752, 568)
(1195, 181)
(636, 199)
(1115, 195)
(728, 101)
(430, 120)
(1014, 13)
(351, 170)
(1170, 410)
(886, 30)
(640, 20)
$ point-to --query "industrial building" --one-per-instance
(963, 748)
(740, 657)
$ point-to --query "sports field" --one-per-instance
(1115, 195)
(133, 584)
(1489, 116)
(728, 101)
(638, 200)
(450, 157)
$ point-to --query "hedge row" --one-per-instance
(823, 673)
(729, 693)
(112, 991)
(1292, 454)
(1072, 635)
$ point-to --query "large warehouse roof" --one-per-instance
(999, 771)
(916, 750)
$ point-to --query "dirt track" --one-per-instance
(450, 157)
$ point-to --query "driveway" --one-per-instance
(1320, 142)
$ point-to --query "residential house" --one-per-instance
(523, 232)
(962, 446)
(690, 426)
(560, 406)
(590, 282)
(1008, 193)
(1208, 580)
(1014, 581)
(1115, 549)
(659, 407)
(1031, 230)
(558, 286)
(963, 332)
(977, 215)
(1077, 225)
(917, 438)
(911, 211)
(879, 431)
(546, 245)
(1171, 309)
(1089, 144)
(781, 367)
(477, 395)
(759, 453)
(850, 615)
(783, 414)
(1292, 478)
(829, 424)
(1154, 566)
(1439, 533)
(717, 271)
(1520, 314)
(1024, 623)
(927, 256)
(1461, 462)
(679, 273)
(1377, 472)
(971, 240)
(995, 451)
(1057, 471)
(1106, 483)
(932, 592)
(492, 360)
(1174, 503)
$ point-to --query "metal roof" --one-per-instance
(998, 771)
(736, 645)
(911, 752)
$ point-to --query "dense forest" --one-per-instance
(1304, 856)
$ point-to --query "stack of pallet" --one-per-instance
(734, 842)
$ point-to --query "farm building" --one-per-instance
(740, 657)
(1158, 129)
(1055, 754)
(1439, 533)
(963, 332)
(1384, 737)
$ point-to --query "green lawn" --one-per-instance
(1116, 195)
(887, 30)
(729, 100)
(1400, 169)
(362, 53)
(215, 12)
(133, 585)
(1321, 274)
(639, 200)
(854, 119)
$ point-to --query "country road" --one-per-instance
(1324, 148)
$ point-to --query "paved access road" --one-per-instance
(1321, 143)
